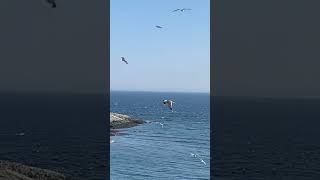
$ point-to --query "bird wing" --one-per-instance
(175, 10)
(170, 104)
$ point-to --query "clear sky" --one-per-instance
(174, 58)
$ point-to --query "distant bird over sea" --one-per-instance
(183, 9)
(52, 2)
(197, 156)
(169, 104)
(158, 26)
(124, 60)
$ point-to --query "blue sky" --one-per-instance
(175, 58)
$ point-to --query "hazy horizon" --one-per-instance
(118, 90)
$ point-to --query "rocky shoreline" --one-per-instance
(16, 171)
(119, 121)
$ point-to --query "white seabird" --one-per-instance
(169, 103)
(197, 156)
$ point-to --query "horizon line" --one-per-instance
(205, 92)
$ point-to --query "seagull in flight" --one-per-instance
(176, 10)
(169, 104)
(197, 156)
(52, 2)
(122, 59)
(158, 26)
(183, 9)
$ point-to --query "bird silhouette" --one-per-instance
(124, 60)
(158, 26)
(183, 9)
(176, 10)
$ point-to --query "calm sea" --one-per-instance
(172, 145)
(265, 138)
(61, 132)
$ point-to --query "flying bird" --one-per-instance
(169, 103)
(197, 156)
(176, 10)
(183, 9)
(122, 58)
(158, 26)
(52, 2)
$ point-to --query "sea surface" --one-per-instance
(60, 132)
(172, 145)
(266, 138)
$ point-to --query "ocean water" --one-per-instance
(170, 150)
(60, 132)
(266, 138)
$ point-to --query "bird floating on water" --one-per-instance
(124, 60)
(169, 104)
(52, 2)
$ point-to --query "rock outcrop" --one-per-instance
(16, 171)
(118, 121)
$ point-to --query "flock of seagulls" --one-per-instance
(169, 103)
(157, 26)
